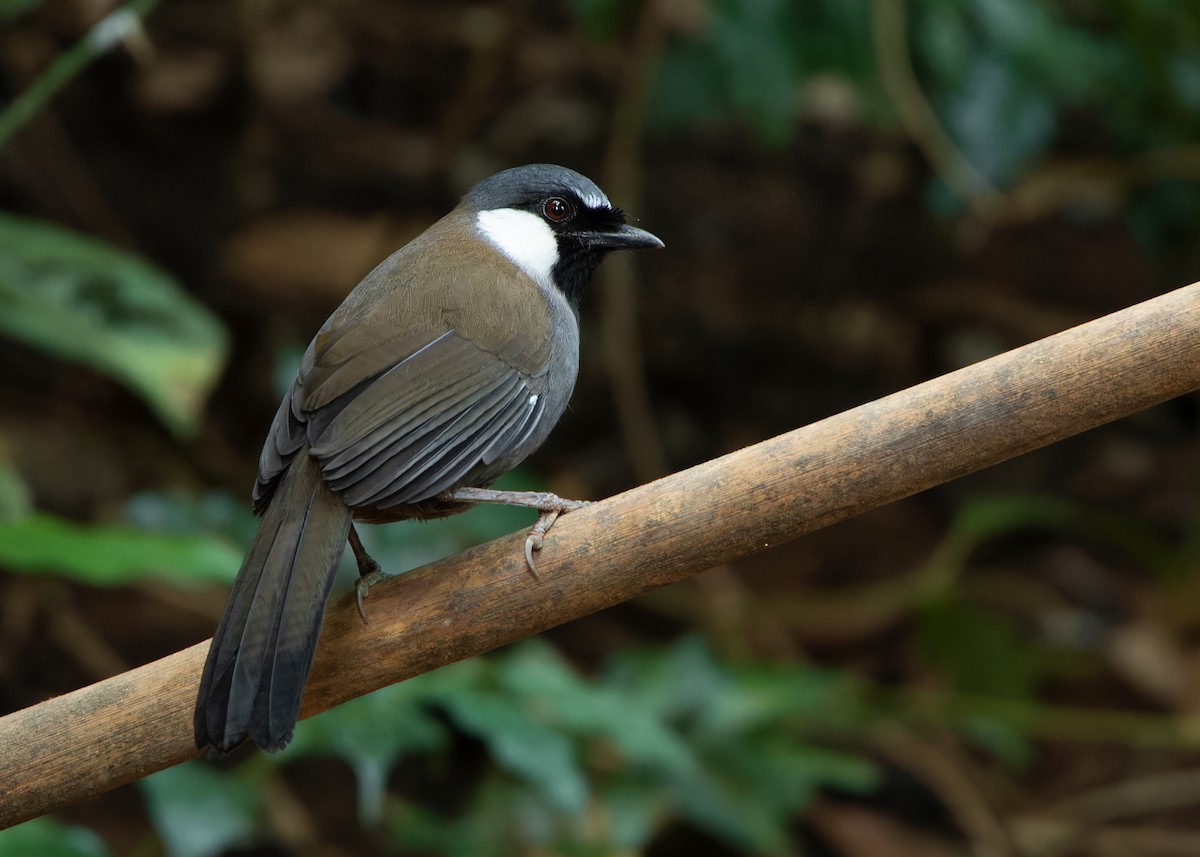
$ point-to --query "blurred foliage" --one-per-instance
(10, 9)
(1010, 80)
(113, 555)
(15, 501)
(749, 60)
(580, 765)
(45, 837)
(81, 300)
(198, 811)
(115, 28)
(980, 651)
(674, 735)
(983, 652)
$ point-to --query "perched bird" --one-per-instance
(443, 369)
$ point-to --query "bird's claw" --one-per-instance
(362, 588)
(549, 507)
(533, 542)
(553, 506)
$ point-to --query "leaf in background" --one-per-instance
(536, 674)
(113, 555)
(634, 808)
(15, 502)
(374, 732)
(1000, 120)
(84, 301)
(217, 513)
(485, 829)
(1006, 742)
(984, 652)
(45, 837)
(12, 9)
(783, 775)
(759, 696)
(983, 517)
(602, 18)
(672, 682)
(737, 816)
(753, 42)
(522, 745)
(743, 64)
(688, 89)
(199, 810)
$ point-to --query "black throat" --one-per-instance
(579, 256)
(574, 269)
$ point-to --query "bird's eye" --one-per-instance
(557, 209)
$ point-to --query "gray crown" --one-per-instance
(520, 186)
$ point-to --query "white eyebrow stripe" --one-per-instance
(595, 200)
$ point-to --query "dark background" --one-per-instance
(854, 197)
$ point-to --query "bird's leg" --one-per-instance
(549, 507)
(369, 572)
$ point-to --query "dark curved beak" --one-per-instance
(624, 237)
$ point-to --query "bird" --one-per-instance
(443, 369)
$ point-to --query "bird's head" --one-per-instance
(554, 223)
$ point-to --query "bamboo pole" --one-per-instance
(83, 743)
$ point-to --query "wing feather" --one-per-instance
(397, 409)
(396, 439)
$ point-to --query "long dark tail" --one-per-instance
(264, 646)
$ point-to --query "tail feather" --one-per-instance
(264, 646)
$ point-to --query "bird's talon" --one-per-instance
(532, 544)
(359, 595)
(362, 588)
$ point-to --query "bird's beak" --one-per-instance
(625, 237)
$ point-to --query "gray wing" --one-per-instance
(442, 415)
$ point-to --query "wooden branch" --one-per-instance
(86, 742)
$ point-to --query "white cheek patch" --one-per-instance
(524, 238)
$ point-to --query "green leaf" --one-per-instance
(486, 829)
(729, 812)
(84, 301)
(522, 745)
(601, 19)
(534, 673)
(761, 695)
(744, 64)
(984, 517)
(672, 682)
(113, 555)
(45, 837)
(1000, 120)
(374, 732)
(634, 808)
(750, 790)
(216, 513)
(15, 501)
(984, 652)
(13, 9)
(1003, 740)
(199, 811)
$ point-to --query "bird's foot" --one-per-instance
(533, 542)
(549, 507)
(362, 588)
(369, 572)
